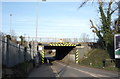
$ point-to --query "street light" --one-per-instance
(35, 45)
(36, 20)
(10, 22)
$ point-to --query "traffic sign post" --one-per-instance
(42, 52)
(117, 49)
(117, 52)
(117, 46)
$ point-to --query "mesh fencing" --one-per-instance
(13, 53)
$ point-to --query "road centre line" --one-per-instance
(89, 73)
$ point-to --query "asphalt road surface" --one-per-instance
(59, 69)
(73, 70)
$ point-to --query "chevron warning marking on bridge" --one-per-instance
(62, 44)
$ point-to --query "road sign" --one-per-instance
(117, 46)
(79, 46)
(40, 47)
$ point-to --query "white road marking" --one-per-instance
(89, 73)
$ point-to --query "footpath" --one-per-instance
(44, 70)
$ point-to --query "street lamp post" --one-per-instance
(10, 23)
(36, 25)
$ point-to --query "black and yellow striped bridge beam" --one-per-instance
(62, 48)
(62, 44)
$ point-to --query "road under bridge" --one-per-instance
(62, 49)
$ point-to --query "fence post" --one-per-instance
(7, 53)
(1, 51)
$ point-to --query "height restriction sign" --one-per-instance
(117, 46)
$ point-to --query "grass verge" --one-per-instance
(20, 71)
(24, 68)
(95, 59)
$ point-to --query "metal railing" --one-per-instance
(51, 39)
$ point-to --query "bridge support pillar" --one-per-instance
(76, 56)
(42, 52)
(43, 55)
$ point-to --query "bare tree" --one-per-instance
(85, 37)
(105, 30)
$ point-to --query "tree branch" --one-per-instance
(113, 11)
(83, 3)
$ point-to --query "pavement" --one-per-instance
(44, 70)
(0, 72)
